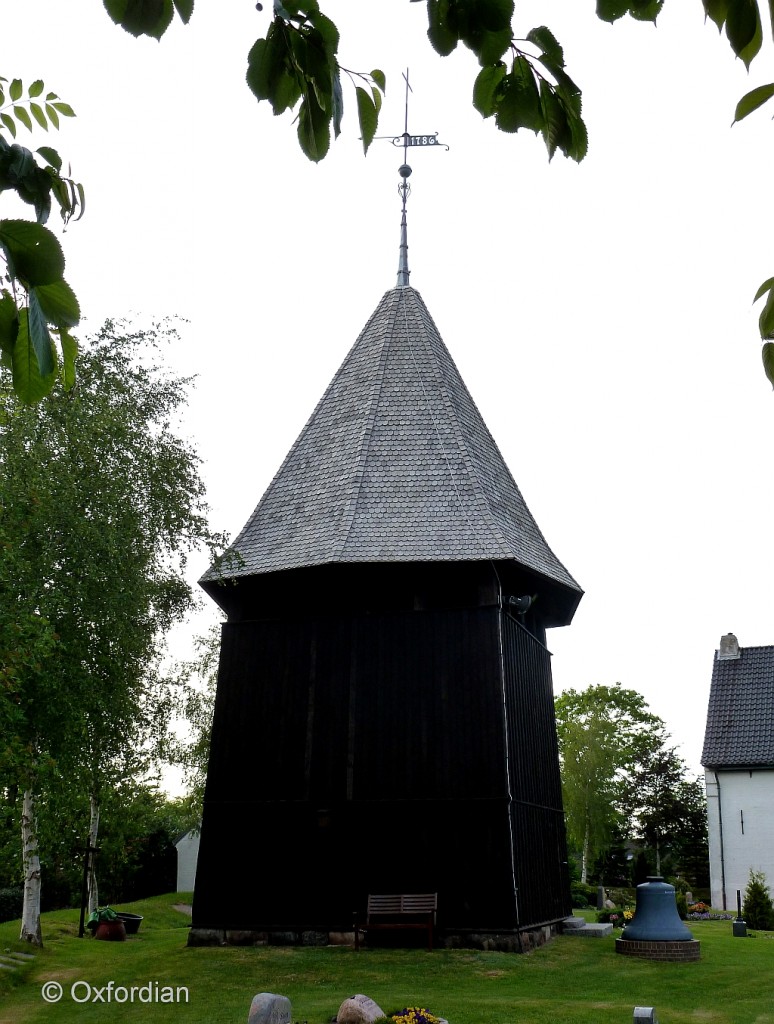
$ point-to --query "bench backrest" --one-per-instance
(411, 903)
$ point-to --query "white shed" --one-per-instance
(187, 856)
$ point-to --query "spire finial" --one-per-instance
(404, 189)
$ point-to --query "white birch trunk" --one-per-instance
(585, 857)
(658, 858)
(30, 928)
(92, 841)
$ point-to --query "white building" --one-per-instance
(738, 760)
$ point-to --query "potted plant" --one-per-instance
(106, 924)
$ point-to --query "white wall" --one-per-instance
(740, 813)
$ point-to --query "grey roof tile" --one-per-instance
(740, 715)
(394, 464)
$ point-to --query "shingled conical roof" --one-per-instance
(394, 465)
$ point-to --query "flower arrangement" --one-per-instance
(702, 912)
(616, 916)
(413, 1015)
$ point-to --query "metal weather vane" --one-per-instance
(407, 140)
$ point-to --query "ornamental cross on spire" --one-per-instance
(404, 189)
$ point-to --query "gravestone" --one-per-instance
(268, 1008)
(358, 1009)
(645, 1015)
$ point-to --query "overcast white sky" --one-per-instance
(600, 314)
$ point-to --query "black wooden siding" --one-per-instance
(373, 750)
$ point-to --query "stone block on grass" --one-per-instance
(358, 1009)
(269, 1008)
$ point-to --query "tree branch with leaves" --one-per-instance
(38, 308)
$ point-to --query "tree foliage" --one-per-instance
(100, 503)
(38, 308)
(603, 732)
(622, 782)
(195, 684)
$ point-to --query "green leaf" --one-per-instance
(33, 252)
(28, 382)
(314, 133)
(35, 89)
(486, 89)
(185, 9)
(763, 289)
(39, 335)
(612, 10)
(766, 319)
(9, 123)
(63, 108)
(492, 15)
(767, 354)
(141, 17)
(577, 145)
(69, 355)
(367, 116)
(646, 10)
(52, 158)
(381, 81)
(40, 117)
(271, 73)
(752, 100)
(15, 89)
(22, 114)
(545, 40)
(489, 47)
(314, 65)
(329, 34)
(58, 303)
(519, 104)
(258, 73)
(52, 115)
(9, 322)
(442, 26)
(743, 28)
(717, 11)
(556, 132)
(338, 104)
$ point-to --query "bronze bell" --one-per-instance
(655, 917)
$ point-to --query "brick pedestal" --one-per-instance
(675, 952)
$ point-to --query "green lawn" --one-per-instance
(569, 981)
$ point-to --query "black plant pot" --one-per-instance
(131, 922)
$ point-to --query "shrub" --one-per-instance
(680, 884)
(758, 910)
(583, 895)
(11, 901)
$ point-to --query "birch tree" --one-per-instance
(604, 732)
(101, 503)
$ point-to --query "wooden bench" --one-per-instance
(410, 910)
